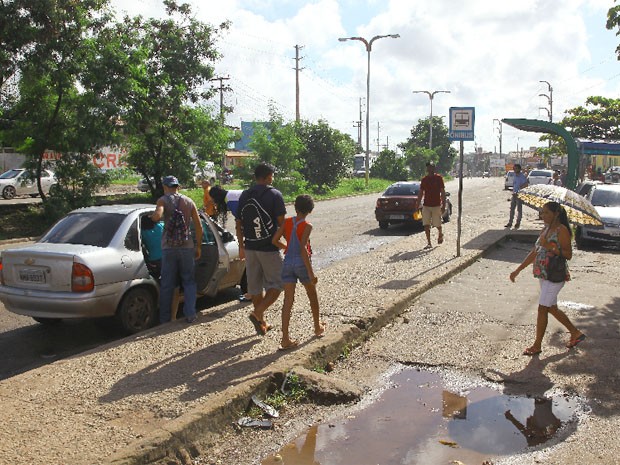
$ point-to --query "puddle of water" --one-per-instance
(416, 420)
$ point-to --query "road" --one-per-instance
(342, 228)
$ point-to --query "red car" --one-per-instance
(398, 205)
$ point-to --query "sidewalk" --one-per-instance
(135, 400)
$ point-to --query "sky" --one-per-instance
(490, 55)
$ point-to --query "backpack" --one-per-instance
(258, 227)
(177, 232)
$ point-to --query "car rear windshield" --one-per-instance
(540, 173)
(403, 189)
(96, 229)
(10, 174)
(606, 198)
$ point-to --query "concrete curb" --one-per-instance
(180, 436)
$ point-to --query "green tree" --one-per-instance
(278, 143)
(46, 107)
(417, 152)
(157, 76)
(389, 166)
(327, 154)
(599, 119)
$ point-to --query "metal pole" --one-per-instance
(458, 221)
(431, 95)
(368, 45)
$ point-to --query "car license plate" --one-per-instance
(32, 276)
(397, 217)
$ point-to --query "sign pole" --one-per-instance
(458, 222)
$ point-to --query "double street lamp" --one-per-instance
(368, 45)
(431, 95)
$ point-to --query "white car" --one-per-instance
(91, 263)
(612, 175)
(606, 200)
(539, 177)
(509, 180)
(20, 181)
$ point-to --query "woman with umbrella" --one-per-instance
(555, 239)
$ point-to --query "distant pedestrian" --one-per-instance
(178, 249)
(519, 182)
(261, 212)
(555, 239)
(297, 266)
(208, 204)
(555, 179)
(432, 196)
(563, 177)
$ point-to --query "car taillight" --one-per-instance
(82, 279)
(1, 273)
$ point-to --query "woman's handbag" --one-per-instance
(556, 269)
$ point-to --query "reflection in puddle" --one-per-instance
(418, 421)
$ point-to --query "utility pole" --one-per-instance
(359, 134)
(500, 134)
(550, 100)
(222, 89)
(378, 138)
(297, 70)
(358, 125)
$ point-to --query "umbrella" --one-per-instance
(578, 208)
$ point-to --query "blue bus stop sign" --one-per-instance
(461, 123)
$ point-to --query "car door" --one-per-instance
(214, 261)
(26, 183)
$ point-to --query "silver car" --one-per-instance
(606, 200)
(20, 181)
(92, 263)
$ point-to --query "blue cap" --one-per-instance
(170, 181)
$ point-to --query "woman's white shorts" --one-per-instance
(549, 293)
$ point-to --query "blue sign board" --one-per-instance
(461, 123)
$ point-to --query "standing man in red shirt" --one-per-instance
(433, 198)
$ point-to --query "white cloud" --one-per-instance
(490, 55)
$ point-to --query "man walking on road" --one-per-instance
(520, 182)
(433, 198)
(178, 249)
(261, 211)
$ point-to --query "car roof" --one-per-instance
(404, 183)
(124, 209)
(607, 187)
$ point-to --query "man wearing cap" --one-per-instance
(433, 198)
(178, 260)
(519, 182)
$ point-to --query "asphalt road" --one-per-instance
(342, 228)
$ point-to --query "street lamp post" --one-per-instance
(550, 100)
(368, 45)
(431, 95)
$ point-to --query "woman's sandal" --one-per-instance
(530, 352)
(573, 342)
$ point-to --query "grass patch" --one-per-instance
(21, 222)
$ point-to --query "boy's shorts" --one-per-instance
(431, 216)
(263, 270)
(292, 273)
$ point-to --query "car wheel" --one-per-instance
(8, 192)
(137, 311)
(53, 189)
(46, 321)
(383, 224)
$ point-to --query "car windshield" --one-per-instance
(403, 189)
(10, 174)
(96, 229)
(606, 198)
(540, 173)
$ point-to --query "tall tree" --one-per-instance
(389, 166)
(417, 152)
(47, 58)
(327, 155)
(599, 119)
(158, 73)
(278, 143)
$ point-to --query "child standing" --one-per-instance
(297, 266)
